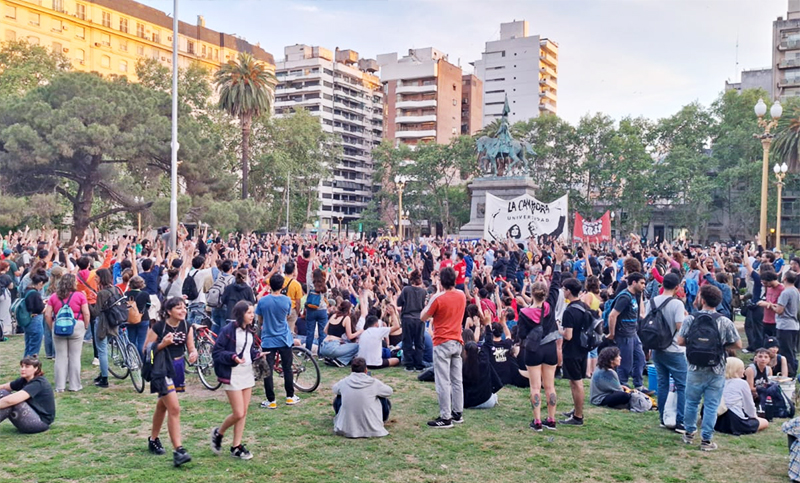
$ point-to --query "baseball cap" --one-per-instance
(770, 342)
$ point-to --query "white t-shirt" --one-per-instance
(370, 345)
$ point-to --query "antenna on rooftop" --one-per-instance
(736, 74)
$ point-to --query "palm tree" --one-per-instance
(786, 145)
(246, 90)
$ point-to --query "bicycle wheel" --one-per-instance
(305, 370)
(205, 366)
(116, 359)
(135, 366)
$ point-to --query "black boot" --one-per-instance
(97, 379)
(103, 382)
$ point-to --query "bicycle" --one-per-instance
(204, 339)
(125, 359)
(305, 369)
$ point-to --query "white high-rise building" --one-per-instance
(522, 67)
(343, 92)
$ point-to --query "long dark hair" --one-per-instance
(104, 278)
(238, 312)
(471, 369)
(170, 304)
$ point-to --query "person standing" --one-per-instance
(411, 302)
(786, 321)
(446, 308)
(706, 382)
(293, 289)
(769, 279)
(276, 337)
(234, 353)
(671, 362)
(34, 332)
(622, 324)
(575, 318)
(68, 350)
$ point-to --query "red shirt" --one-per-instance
(445, 263)
(461, 272)
(772, 297)
(302, 269)
(447, 310)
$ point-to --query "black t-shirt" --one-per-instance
(5, 281)
(34, 303)
(41, 396)
(161, 329)
(628, 318)
(574, 319)
(608, 276)
(412, 301)
(500, 356)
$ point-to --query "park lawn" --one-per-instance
(101, 435)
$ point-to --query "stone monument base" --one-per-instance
(506, 188)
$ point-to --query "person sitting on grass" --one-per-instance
(758, 373)
(741, 417)
(778, 363)
(605, 389)
(481, 382)
(32, 407)
(370, 346)
(361, 404)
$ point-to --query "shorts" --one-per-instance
(180, 374)
(546, 354)
(162, 386)
(574, 369)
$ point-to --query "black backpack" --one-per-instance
(116, 309)
(591, 332)
(190, 288)
(775, 403)
(703, 345)
(654, 331)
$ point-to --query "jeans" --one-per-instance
(449, 383)
(315, 319)
(413, 342)
(709, 386)
(102, 351)
(488, 404)
(630, 348)
(344, 353)
(787, 345)
(427, 356)
(196, 313)
(671, 364)
(137, 333)
(49, 346)
(754, 327)
(218, 316)
(34, 333)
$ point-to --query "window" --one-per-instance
(156, 37)
(34, 19)
(11, 12)
(105, 61)
(140, 49)
(11, 36)
(57, 47)
(203, 50)
(123, 25)
(80, 32)
(190, 47)
(123, 45)
(105, 39)
(80, 11)
(123, 66)
(107, 19)
(56, 25)
(33, 40)
(80, 56)
(58, 5)
(216, 54)
(139, 30)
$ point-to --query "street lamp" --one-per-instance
(138, 200)
(766, 139)
(401, 185)
(780, 173)
(339, 234)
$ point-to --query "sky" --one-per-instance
(619, 57)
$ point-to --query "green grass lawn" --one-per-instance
(100, 435)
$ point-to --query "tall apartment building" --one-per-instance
(342, 90)
(422, 94)
(786, 53)
(753, 79)
(471, 104)
(522, 67)
(110, 36)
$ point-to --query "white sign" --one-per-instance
(523, 217)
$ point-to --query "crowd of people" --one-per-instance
(473, 316)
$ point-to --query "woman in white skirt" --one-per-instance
(234, 353)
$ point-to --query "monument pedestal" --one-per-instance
(506, 188)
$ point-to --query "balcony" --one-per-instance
(546, 69)
(416, 89)
(548, 94)
(428, 133)
(548, 58)
(547, 106)
(789, 82)
(549, 82)
(415, 119)
(789, 44)
(787, 63)
(415, 104)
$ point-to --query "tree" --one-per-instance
(84, 130)
(246, 91)
(786, 145)
(24, 66)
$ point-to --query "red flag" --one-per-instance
(592, 231)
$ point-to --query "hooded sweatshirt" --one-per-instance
(361, 414)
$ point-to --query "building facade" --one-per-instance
(522, 67)
(753, 79)
(110, 36)
(471, 104)
(343, 91)
(786, 53)
(422, 97)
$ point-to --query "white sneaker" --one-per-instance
(291, 401)
(266, 404)
(95, 361)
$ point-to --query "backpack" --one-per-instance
(703, 345)
(149, 360)
(20, 310)
(782, 406)
(639, 402)
(609, 306)
(591, 333)
(534, 338)
(134, 316)
(313, 300)
(116, 309)
(285, 290)
(214, 296)
(190, 288)
(654, 331)
(65, 321)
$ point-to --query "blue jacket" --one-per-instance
(725, 307)
(225, 350)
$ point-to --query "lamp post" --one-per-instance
(780, 173)
(339, 234)
(404, 217)
(401, 185)
(138, 200)
(613, 215)
(173, 201)
(766, 139)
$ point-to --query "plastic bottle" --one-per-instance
(768, 408)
